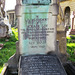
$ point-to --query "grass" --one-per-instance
(71, 48)
(9, 48)
(1, 68)
(71, 51)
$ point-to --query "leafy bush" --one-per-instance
(1, 69)
(2, 39)
(1, 62)
(15, 33)
(70, 50)
(72, 37)
(68, 40)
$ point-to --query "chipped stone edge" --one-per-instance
(4, 69)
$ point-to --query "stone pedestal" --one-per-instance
(40, 65)
(61, 37)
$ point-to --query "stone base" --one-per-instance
(40, 65)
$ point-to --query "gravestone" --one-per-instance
(41, 65)
(37, 37)
(37, 26)
(3, 30)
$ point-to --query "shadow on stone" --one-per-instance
(70, 68)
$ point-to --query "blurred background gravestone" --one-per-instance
(3, 27)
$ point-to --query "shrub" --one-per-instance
(72, 37)
(68, 39)
(1, 62)
(14, 36)
(71, 48)
(15, 33)
(1, 69)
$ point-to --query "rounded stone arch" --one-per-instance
(67, 10)
(67, 16)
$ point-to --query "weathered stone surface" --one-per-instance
(3, 29)
(41, 65)
(13, 61)
(37, 26)
(61, 36)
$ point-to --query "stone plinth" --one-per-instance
(61, 37)
(40, 65)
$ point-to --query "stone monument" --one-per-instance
(37, 20)
(37, 26)
(3, 26)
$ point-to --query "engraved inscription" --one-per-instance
(41, 65)
(36, 29)
(36, 1)
(36, 32)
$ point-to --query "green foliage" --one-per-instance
(68, 40)
(72, 58)
(72, 37)
(71, 50)
(69, 27)
(1, 69)
(8, 50)
(15, 34)
(71, 47)
(3, 39)
(9, 47)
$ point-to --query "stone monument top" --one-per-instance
(36, 1)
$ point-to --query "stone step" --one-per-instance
(40, 65)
